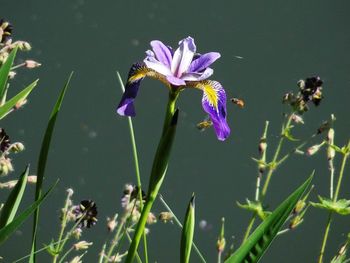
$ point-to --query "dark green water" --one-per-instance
(280, 42)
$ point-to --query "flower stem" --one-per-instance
(274, 160)
(325, 237)
(330, 215)
(137, 169)
(159, 168)
(271, 169)
(341, 172)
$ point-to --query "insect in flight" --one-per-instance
(239, 102)
(205, 124)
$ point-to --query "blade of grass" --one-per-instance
(177, 221)
(45, 146)
(259, 241)
(10, 208)
(11, 103)
(5, 70)
(187, 232)
(6, 231)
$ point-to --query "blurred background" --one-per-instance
(266, 47)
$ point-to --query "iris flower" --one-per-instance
(178, 70)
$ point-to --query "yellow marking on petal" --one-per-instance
(211, 95)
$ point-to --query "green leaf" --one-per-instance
(8, 106)
(44, 151)
(10, 208)
(6, 231)
(255, 207)
(4, 72)
(258, 242)
(187, 233)
(341, 207)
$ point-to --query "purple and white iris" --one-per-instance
(179, 69)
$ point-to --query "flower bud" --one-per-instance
(112, 223)
(20, 104)
(32, 179)
(5, 166)
(17, 147)
(262, 146)
(313, 149)
(82, 245)
(297, 119)
(330, 139)
(12, 74)
(220, 244)
(77, 233)
(31, 64)
(22, 45)
(8, 185)
(301, 84)
(299, 206)
(165, 217)
(297, 220)
(76, 259)
(151, 218)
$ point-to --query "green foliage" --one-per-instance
(9, 229)
(45, 146)
(10, 208)
(258, 242)
(341, 207)
(256, 207)
(4, 72)
(188, 232)
(10, 104)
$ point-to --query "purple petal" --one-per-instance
(183, 56)
(175, 81)
(154, 64)
(136, 74)
(214, 103)
(162, 52)
(194, 76)
(204, 61)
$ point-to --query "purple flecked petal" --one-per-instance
(162, 52)
(203, 61)
(195, 76)
(136, 74)
(154, 64)
(214, 103)
(183, 56)
(175, 81)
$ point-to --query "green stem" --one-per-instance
(274, 160)
(272, 168)
(341, 172)
(158, 172)
(325, 237)
(66, 254)
(329, 221)
(137, 169)
(63, 227)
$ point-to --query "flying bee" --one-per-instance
(238, 102)
(205, 124)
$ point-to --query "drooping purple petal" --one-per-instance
(194, 76)
(183, 56)
(175, 81)
(162, 52)
(214, 103)
(203, 61)
(136, 74)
